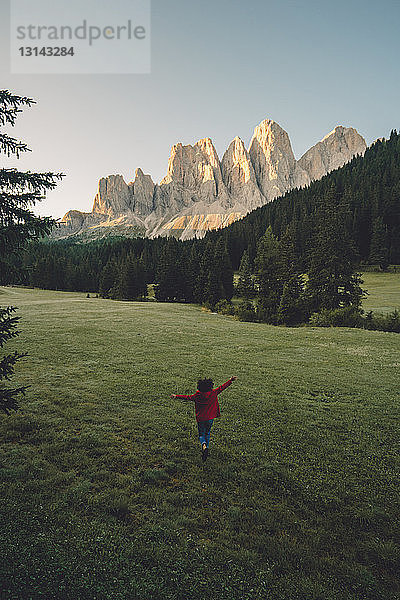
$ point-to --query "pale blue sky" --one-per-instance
(218, 68)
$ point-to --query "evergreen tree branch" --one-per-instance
(8, 324)
(8, 201)
(14, 236)
(15, 215)
(9, 99)
(9, 145)
(7, 364)
(13, 180)
(8, 398)
(9, 115)
(9, 106)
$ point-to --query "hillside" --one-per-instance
(104, 493)
(368, 188)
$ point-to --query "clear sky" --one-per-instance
(219, 67)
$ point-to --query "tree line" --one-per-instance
(368, 186)
(272, 286)
(120, 268)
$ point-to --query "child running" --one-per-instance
(207, 408)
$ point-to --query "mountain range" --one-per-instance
(201, 192)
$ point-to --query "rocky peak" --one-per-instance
(239, 176)
(200, 192)
(207, 147)
(114, 196)
(194, 175)
(190, 166)
(336, 149)
(143, 193)
(273, 160)
(74, 219)
(236, 164)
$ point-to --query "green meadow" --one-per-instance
(105, 497)
(383, 291)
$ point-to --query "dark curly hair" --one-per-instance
(205, 385)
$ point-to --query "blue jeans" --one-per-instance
(204, 428)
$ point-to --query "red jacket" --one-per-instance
(206, 403)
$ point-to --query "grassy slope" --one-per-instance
(102, 475)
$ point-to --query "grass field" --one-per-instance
(383, 291)
(104, 495)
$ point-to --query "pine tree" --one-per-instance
(19, 191)
(213, 289)
(131, 283)
(379, 253)
(269, 277)
(221, 271)
(190, 269)
(170, 278)
(291, 306)
(291, 309)
(332, 278)
(201, 282)
(209, 277)
(218, 273)
(245, 284)
(8, 324)
(289, 251)
(108, 278)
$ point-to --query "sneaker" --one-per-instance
(204, 452)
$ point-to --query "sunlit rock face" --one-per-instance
(194, 175)
(275, 166)
(200, 192)
(143, 193)
(74, 219)
(203, 222)
(114, 196)
(191, 166)
(191, 194)
(240, 178)
(333, 151)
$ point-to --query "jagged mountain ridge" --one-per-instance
(202, 192)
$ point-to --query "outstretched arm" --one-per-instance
(184, 397)
(223, 387)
